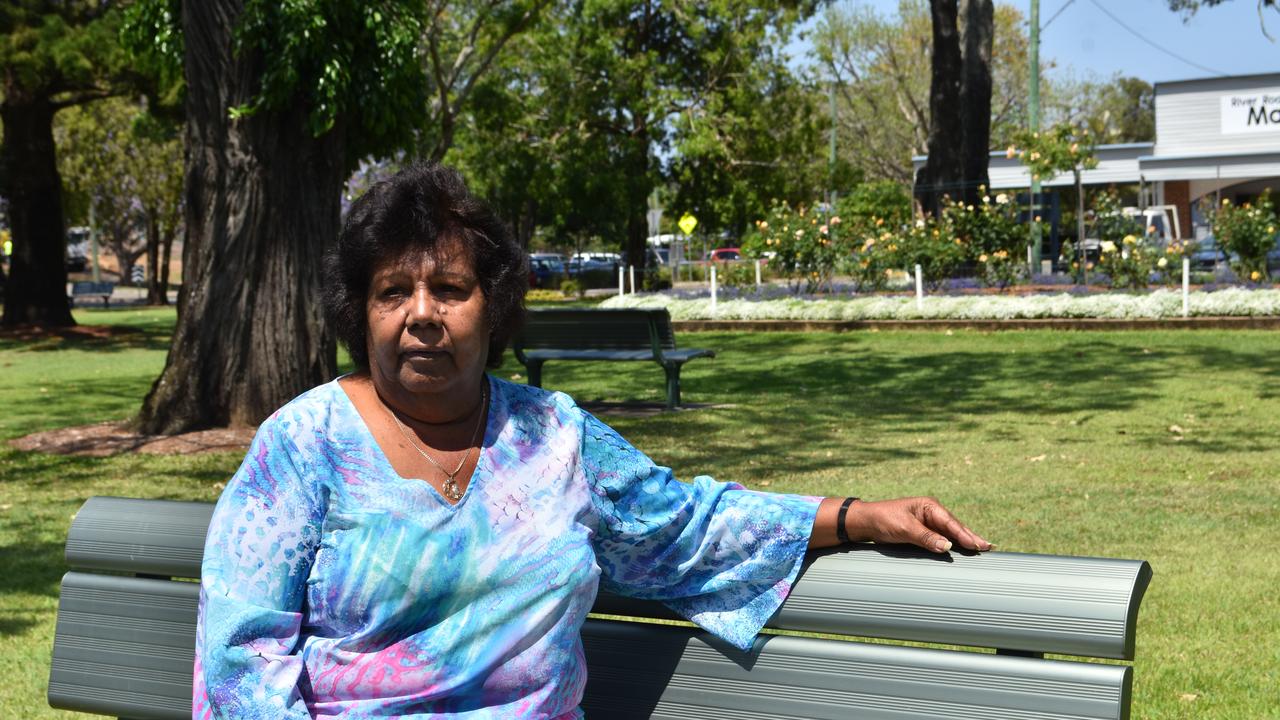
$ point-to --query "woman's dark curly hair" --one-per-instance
(414, 211)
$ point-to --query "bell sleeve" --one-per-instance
(722, 556)
(258, 553)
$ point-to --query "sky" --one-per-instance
(1083, 40)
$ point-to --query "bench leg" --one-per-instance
(673, 385)
(535, 372)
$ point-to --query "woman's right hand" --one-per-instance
(919, 521)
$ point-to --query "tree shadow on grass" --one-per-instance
(89, 400)
(804, 388)
(90, 338)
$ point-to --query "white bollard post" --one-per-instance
(757, 274)
(1186, 287)
(713, 289)
(919, 291)
(631, 269)
(621, 287)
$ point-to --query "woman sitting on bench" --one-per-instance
(421, 539)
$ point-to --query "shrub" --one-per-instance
(874, 205)
(807, 246)
(1130, 261)
(1127, 255)
(1246, 232)
(871, 265)
(989, 234)
(736, 274)
(929, 244)
(655, 279)
(572, 288)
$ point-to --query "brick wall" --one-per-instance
(1178, 192)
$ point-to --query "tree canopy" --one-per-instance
(53, 55)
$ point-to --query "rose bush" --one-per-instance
(990, 235)
(1246, 232)
(802, 245)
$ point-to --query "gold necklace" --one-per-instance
(450, 485)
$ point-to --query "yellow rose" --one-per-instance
(982, 258)
(1255, 276)
(1162, 262)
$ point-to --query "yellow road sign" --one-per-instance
(687, 223)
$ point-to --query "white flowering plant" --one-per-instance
(1158, 304)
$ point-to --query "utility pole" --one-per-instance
(831, 158)
(1033, 109)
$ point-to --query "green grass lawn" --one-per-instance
(1153, 445)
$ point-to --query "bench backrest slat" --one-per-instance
(1011, 601)
(124, 646)
(595, 330)
(88, 287)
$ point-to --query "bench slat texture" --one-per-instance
(125, 645)
(639, 671)
(1011, 601)
(594, 330)
(146, 537)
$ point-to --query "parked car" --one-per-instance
(725, 255)
(1207, 254)
(588, 262)
(546, 270)
(77, 260)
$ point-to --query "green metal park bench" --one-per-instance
(603, 335)
(125, 637)
(88, 288)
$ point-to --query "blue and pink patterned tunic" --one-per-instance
(331, 586)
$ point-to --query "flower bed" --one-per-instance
(1155, 305)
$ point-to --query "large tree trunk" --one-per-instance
(262, 205)
(943, 174)
(37, 286)
(977, 31)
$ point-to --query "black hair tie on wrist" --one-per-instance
(842, 534)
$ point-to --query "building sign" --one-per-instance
(1257, 112)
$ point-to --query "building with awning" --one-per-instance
(1215, 137)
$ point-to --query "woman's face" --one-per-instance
(428, 335)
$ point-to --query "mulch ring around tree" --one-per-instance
(114, 438)
(32, 333)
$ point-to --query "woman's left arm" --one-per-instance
(919, 521)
